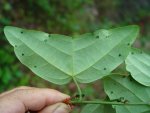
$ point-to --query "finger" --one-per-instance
(18, 88)
(56, 108)
(32, 99)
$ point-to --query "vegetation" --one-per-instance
(86, 58)
(68, 18)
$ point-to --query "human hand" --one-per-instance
(23, 99)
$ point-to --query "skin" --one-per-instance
(35, 100)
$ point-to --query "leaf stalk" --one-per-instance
(79, 89)
(110, 103)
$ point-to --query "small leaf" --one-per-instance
(129, 91)
(138, 64)
(59, 58)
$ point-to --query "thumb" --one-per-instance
(56, 108)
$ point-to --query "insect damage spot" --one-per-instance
(104, 68)
(22, 54)
(119, 55)
(132, 53)
(35, 66)
(21, 32)
(97, 36)
(128, 44)
(49, 35)
(111, 92)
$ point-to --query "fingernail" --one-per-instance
(64, 96)
(63, 108)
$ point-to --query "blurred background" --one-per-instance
(67, 17)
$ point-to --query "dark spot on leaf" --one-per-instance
(49, 35)
(141, 52)
(97, 36)
(114, 83)
(126, 101)
(77, 95)
(132, 53)
(22, 54)
(131, 79)
(104, 68)
(35, 66)
(45, 40)
(107, 36)
(119, 55)
(122, 98)
(21, 32)
(83, 95)
(111, 92)
(123, 76)
(128, 44)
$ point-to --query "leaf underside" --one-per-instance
(138, 64)
(127, 88)
(59, 58)
(97, 108)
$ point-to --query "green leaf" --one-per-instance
(97, 108)
(117, 87)
(138, 64)
(59, 58)
(92, 108)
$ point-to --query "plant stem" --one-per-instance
(79, 90)
(110, 103)
(119, 74)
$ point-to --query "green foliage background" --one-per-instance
(65, 17)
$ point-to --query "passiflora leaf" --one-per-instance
(97, 108)
(93, 108)
(129, 91)
(59, 58)
(138, 64)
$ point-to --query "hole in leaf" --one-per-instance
(22, 54)
(119, 55)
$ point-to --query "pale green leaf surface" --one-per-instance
(58, 58)
(138, 64)
(93, 108)
(117, 87)
(97, 108)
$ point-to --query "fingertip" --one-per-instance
(56, 108)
